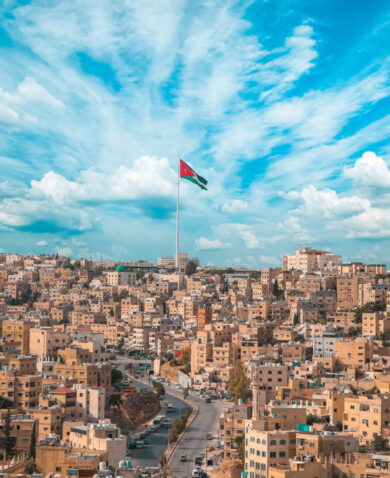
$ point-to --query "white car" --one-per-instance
(195, 474)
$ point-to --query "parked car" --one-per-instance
(195, 474)
(183, 457)
(140, 444)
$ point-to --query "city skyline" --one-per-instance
(282, 106)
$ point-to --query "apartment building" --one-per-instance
(265, 450)
(16, 333)
(102, 436)
(121, 277)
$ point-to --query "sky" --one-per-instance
(282, 105)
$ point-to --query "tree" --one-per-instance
(159, 387)
(379, 306)
(239, 385)
(7, 443)
(190, 268)
(254, 275)
(309, 353)
(240, 442)
(5, 403)
(379, 443)
(276, 291)
(185, 393)
(300, 338)
(33, 441)
(116, 376)
(162, 461)
(115, 400)
(112, 312)
(98, 271)
(185, 356)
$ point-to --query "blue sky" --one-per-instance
(283, 105)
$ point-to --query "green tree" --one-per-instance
(300, 338)
(116, 376)
(379, 443)
(185, 356)
(240, 442)
(190, 268)
(239, 385)
(112, 312)
(8, 442)
(33, 443)
(254, 275)
(115, 400)
(309, 353)
(162, 461)
(379, 306)
(98, 271)
(5, 403)
(276, 291)
(159, 387)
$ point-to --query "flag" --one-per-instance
(187, 173)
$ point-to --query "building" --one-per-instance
(265, 450)
(121, 277)
(102, 436)
(308, 260)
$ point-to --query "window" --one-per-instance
(282, 442)
(282, 454)
(273, 442)
(272, 454)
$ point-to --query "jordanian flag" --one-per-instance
(187, 173)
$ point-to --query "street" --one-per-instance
(195, 439)
(158, 441)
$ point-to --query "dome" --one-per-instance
(120, 269)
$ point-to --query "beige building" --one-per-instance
(103, 436)
(121, 277)
(265, 450)
(46, 341)
(308, 260)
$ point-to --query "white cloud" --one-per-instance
(326, 202)
(64, 251)
(371, 223)
(249, 238)
(28, 92)
(147, 177)
(269, 259)
(211, 244)
(369, 171)
(8, 115)
(294, 229)
(235, 206)
(41, 243)
(285, 69)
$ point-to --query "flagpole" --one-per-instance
(177, 215)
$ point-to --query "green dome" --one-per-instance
(120, 269)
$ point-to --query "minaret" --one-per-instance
(255, 400)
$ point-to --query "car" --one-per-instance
(183, 457)
(140, 444)
(195, 474)
(209, 436)
(146, 442)
(202, 474)
(152, 429)
(198, 460)
(132, 445)
(128, 453)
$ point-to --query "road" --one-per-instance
(158, 441)
(195, 439)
